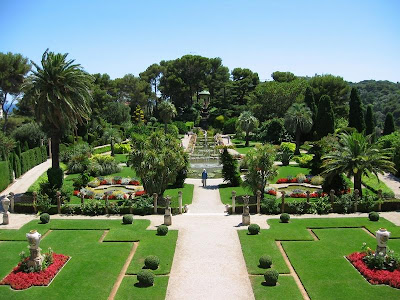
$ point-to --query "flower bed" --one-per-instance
(292, 180)
(19, 280)
(374, 276)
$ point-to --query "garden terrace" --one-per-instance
(316, 250)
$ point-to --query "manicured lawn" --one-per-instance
(373, 182)
(225, 193)
(121, 158)
(35, 186)
(102, 150)
(94, 266)
(291, 170)
(287, 289)
(321, 265)
(240, 146)
(187, 194)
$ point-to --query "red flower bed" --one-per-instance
(293, 180)
(374, 276)
(76, 193)
(272, 192)
(140, 193)
(19, 280)
(103, 182)
(134, 182)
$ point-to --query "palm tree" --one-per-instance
(247, 123)
(298, 120)
(167, 111)
(111, 135)
(60, 93)
(356, 156)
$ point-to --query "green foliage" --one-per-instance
(30, 132)
(271, 277)
(103, 165)
(230, 126)
(17, 166)
(298, 120)
(167, 111)
(127, 219)
(304, 159)
(247, 123)
(286, 151)
(162, 230)
(336, 182)
(117, 113)
(230, 171)
(336, 88)
(284, 218)
(44, 218)
(4, 178)
(272, 131)
(260, 162)
(369, 121)
(310, 101)
(283, 76)
(265, 262)
(269, 206)
(325, 120)
(43, 202)
(143, 205)
(55, 177)
(389, 124)
(145, 278)
(253, 229)
(356, 117)
(157, 161)
(152, 262)
(182, 173)
(373, 216)
(92, 208)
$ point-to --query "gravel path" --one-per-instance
(392, 182)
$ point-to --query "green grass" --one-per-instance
(375, 183)
(286, 289)
(291, 170)
(225, 193)
(187, 194)
(240, 146)
(121, 158)
(42, 178)
(91, 262)
(102, 150)
(321, 265)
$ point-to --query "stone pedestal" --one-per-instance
(167, 217)
(258, 201)
(5, 203)
(6, 219)
(233, 202)
(12, 200)
(246, 216)
(380, 250)
(35, 259)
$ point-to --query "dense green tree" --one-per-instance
(310, 101)
(247, 123)
(13, 69)
(356, 156)
(230, 171)
(260, 162)
(369, 121)
(103, 92)
(336, 88)
(111, 135)
(7, 145)
(157, 160)
(244, 82)
(356, 117)
(283, 76)
(389, 124)
(272, 131)
(325, 120)
(117, 113)
(29, 132)
(167, 112)
(298, 120)
(60, 90)
(272, 99)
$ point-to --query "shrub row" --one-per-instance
(32, 158)
(4, 176)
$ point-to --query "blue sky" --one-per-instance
(354, 39)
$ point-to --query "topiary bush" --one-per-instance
(373, 216)
(152, 262)
(162, 230)
(45, 218)
(265, 261)
(127, 219)
(285, 218)
(55, 177)
(271, 277)
(253, 229)
(145, 278)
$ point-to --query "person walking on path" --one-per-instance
(204, 177)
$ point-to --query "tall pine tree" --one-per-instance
(389, 124)
(325, 120)
(356, 118)
(369, 121)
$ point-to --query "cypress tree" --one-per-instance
(389, 124)
(325, 120)
(356, 118)
(369, 121)
(230, 170)
(310, 101)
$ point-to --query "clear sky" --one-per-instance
(357, 40)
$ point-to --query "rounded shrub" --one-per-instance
(127, 219)
(145, 278)
(253, 229)
(162, 230)
(373, 216)
(45, 218)
(271, 277)
(285, 218)
(152, 262)
(265, 261)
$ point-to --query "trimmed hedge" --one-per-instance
(32, 158)
(4, 175)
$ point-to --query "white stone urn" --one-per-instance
(33, 239)
(6, 203)
(382, 236)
